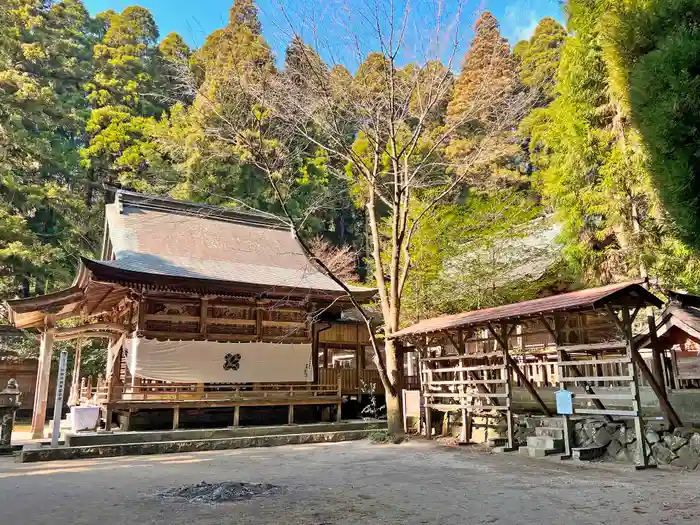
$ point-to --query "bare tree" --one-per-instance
(382, 126)
(340, 260)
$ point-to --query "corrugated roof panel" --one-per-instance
(578, 300)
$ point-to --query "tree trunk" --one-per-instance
(394, 414)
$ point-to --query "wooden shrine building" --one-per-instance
(203, 307)
(471, 362)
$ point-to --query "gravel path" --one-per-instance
(348, 483)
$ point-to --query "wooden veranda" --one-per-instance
(469, 362)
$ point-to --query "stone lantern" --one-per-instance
(9, 403)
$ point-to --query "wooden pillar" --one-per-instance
(236, 415)
(176, 417)
(634, 386)
(114, 369)
(314, 349)
(357, 369)
(656, 352)
(508, 385)
(340, 397)
(74, 397)
(42, 378)
(325, 355)
(562, 372)
(290, 415)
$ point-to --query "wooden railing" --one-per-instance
(333, 382)
(266, 393)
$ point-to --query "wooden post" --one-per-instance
(357, 369)
(325, 355)
(509, 394)
(634, 386)
(42, 378)
(340, 396)
(176, 417)
(464, 432)
(74, 397)
(236, 415)
(528, 386)
(314, 350)
(562, 372)
(290, 415)
(656, 351)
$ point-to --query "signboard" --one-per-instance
(58, 406)
(565, 402)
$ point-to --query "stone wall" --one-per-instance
(680, 447)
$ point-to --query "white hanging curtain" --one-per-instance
(212, 362)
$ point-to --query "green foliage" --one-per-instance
(461, 255)
(86, 101)
(593, 167)
(539, 58)
(658, 43)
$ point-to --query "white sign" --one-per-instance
(58, 403)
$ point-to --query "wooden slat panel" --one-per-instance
(596, 412)
(604, 396)
(596, 362)
(594, 378)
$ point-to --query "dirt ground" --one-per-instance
(348, 483)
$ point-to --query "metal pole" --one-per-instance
(58, 402)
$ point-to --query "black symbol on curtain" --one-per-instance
(232, 361)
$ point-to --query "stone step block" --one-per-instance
(587, 453)
(554, 422)
(545, 442)
(534, 452)
(553, 432)
(497, 442)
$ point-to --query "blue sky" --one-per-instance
(195, 19)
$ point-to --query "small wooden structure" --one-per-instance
(470, 361)
(189, 275)
(673, 341)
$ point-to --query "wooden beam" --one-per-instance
(41, 391)
(564, 355)
(503, 342)
(483, 389)
(656, 385)
(74, 397)
(259, 323)
(176, 417)
(102, 299)
(203, 314)
(85, 329)
(626, 327)
(525, 381)
(656, 351)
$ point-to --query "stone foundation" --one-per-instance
(680, 447)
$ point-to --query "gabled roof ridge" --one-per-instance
(167, 204)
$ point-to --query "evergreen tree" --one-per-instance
(122, 95)
(657, 44)
(593, 166)
(539, 58)
(488, 75)
(42, 52)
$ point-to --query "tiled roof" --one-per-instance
(161, 236)
(574, 301)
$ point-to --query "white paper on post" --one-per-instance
(212, 362)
